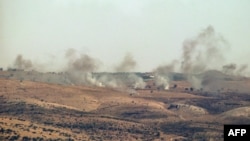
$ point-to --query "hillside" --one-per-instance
(43, 111)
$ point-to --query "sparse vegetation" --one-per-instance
(54, 112)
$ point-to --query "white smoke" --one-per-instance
(162, 82)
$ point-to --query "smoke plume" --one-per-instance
(122, 81)
(203, 52)
(83, 64)
(162, 82)
(136, 81)
(80, 68)
(123, 78)
(21, 63)
(229, 69)
(201, 61)
(127, 64)
(163, 76)
(233, 69)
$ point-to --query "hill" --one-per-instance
(33, 110)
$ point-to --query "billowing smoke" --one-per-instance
(199, 54)
(203, 52)
(80, 68)
(214, 80)
(123, 78)
(201, 61)
(122, 81)
(21, 63)
(107, 80)
(233, 69)
(127, 64)
(136, 81)
(162, 82)
(163, 74)
(229, 69)
(84, 63)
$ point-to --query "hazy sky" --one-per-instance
(151, 30)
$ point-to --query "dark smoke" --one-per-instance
(80, 68)
(202, 52)
(233, 69)
(127, 64)
(229, 69)
(82, 63)
(188, 49)
(21, 63)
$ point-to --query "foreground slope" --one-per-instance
(41, 111)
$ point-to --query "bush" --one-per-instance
(26, 138)
(13, 138)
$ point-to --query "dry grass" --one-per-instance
(51, 111)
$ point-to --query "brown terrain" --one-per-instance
(33, 110)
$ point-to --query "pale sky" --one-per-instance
(151, 30)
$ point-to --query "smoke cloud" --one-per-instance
(21, 63)
(124, 78)
(163, 76)
(80, 68)
(203, 52)
(162, 82)
(127, 64)
(201, 61)
(233, 69)
(84, 63)
(122, 81)
(200, 55)
(229, 69)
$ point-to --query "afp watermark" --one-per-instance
(237, 132)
